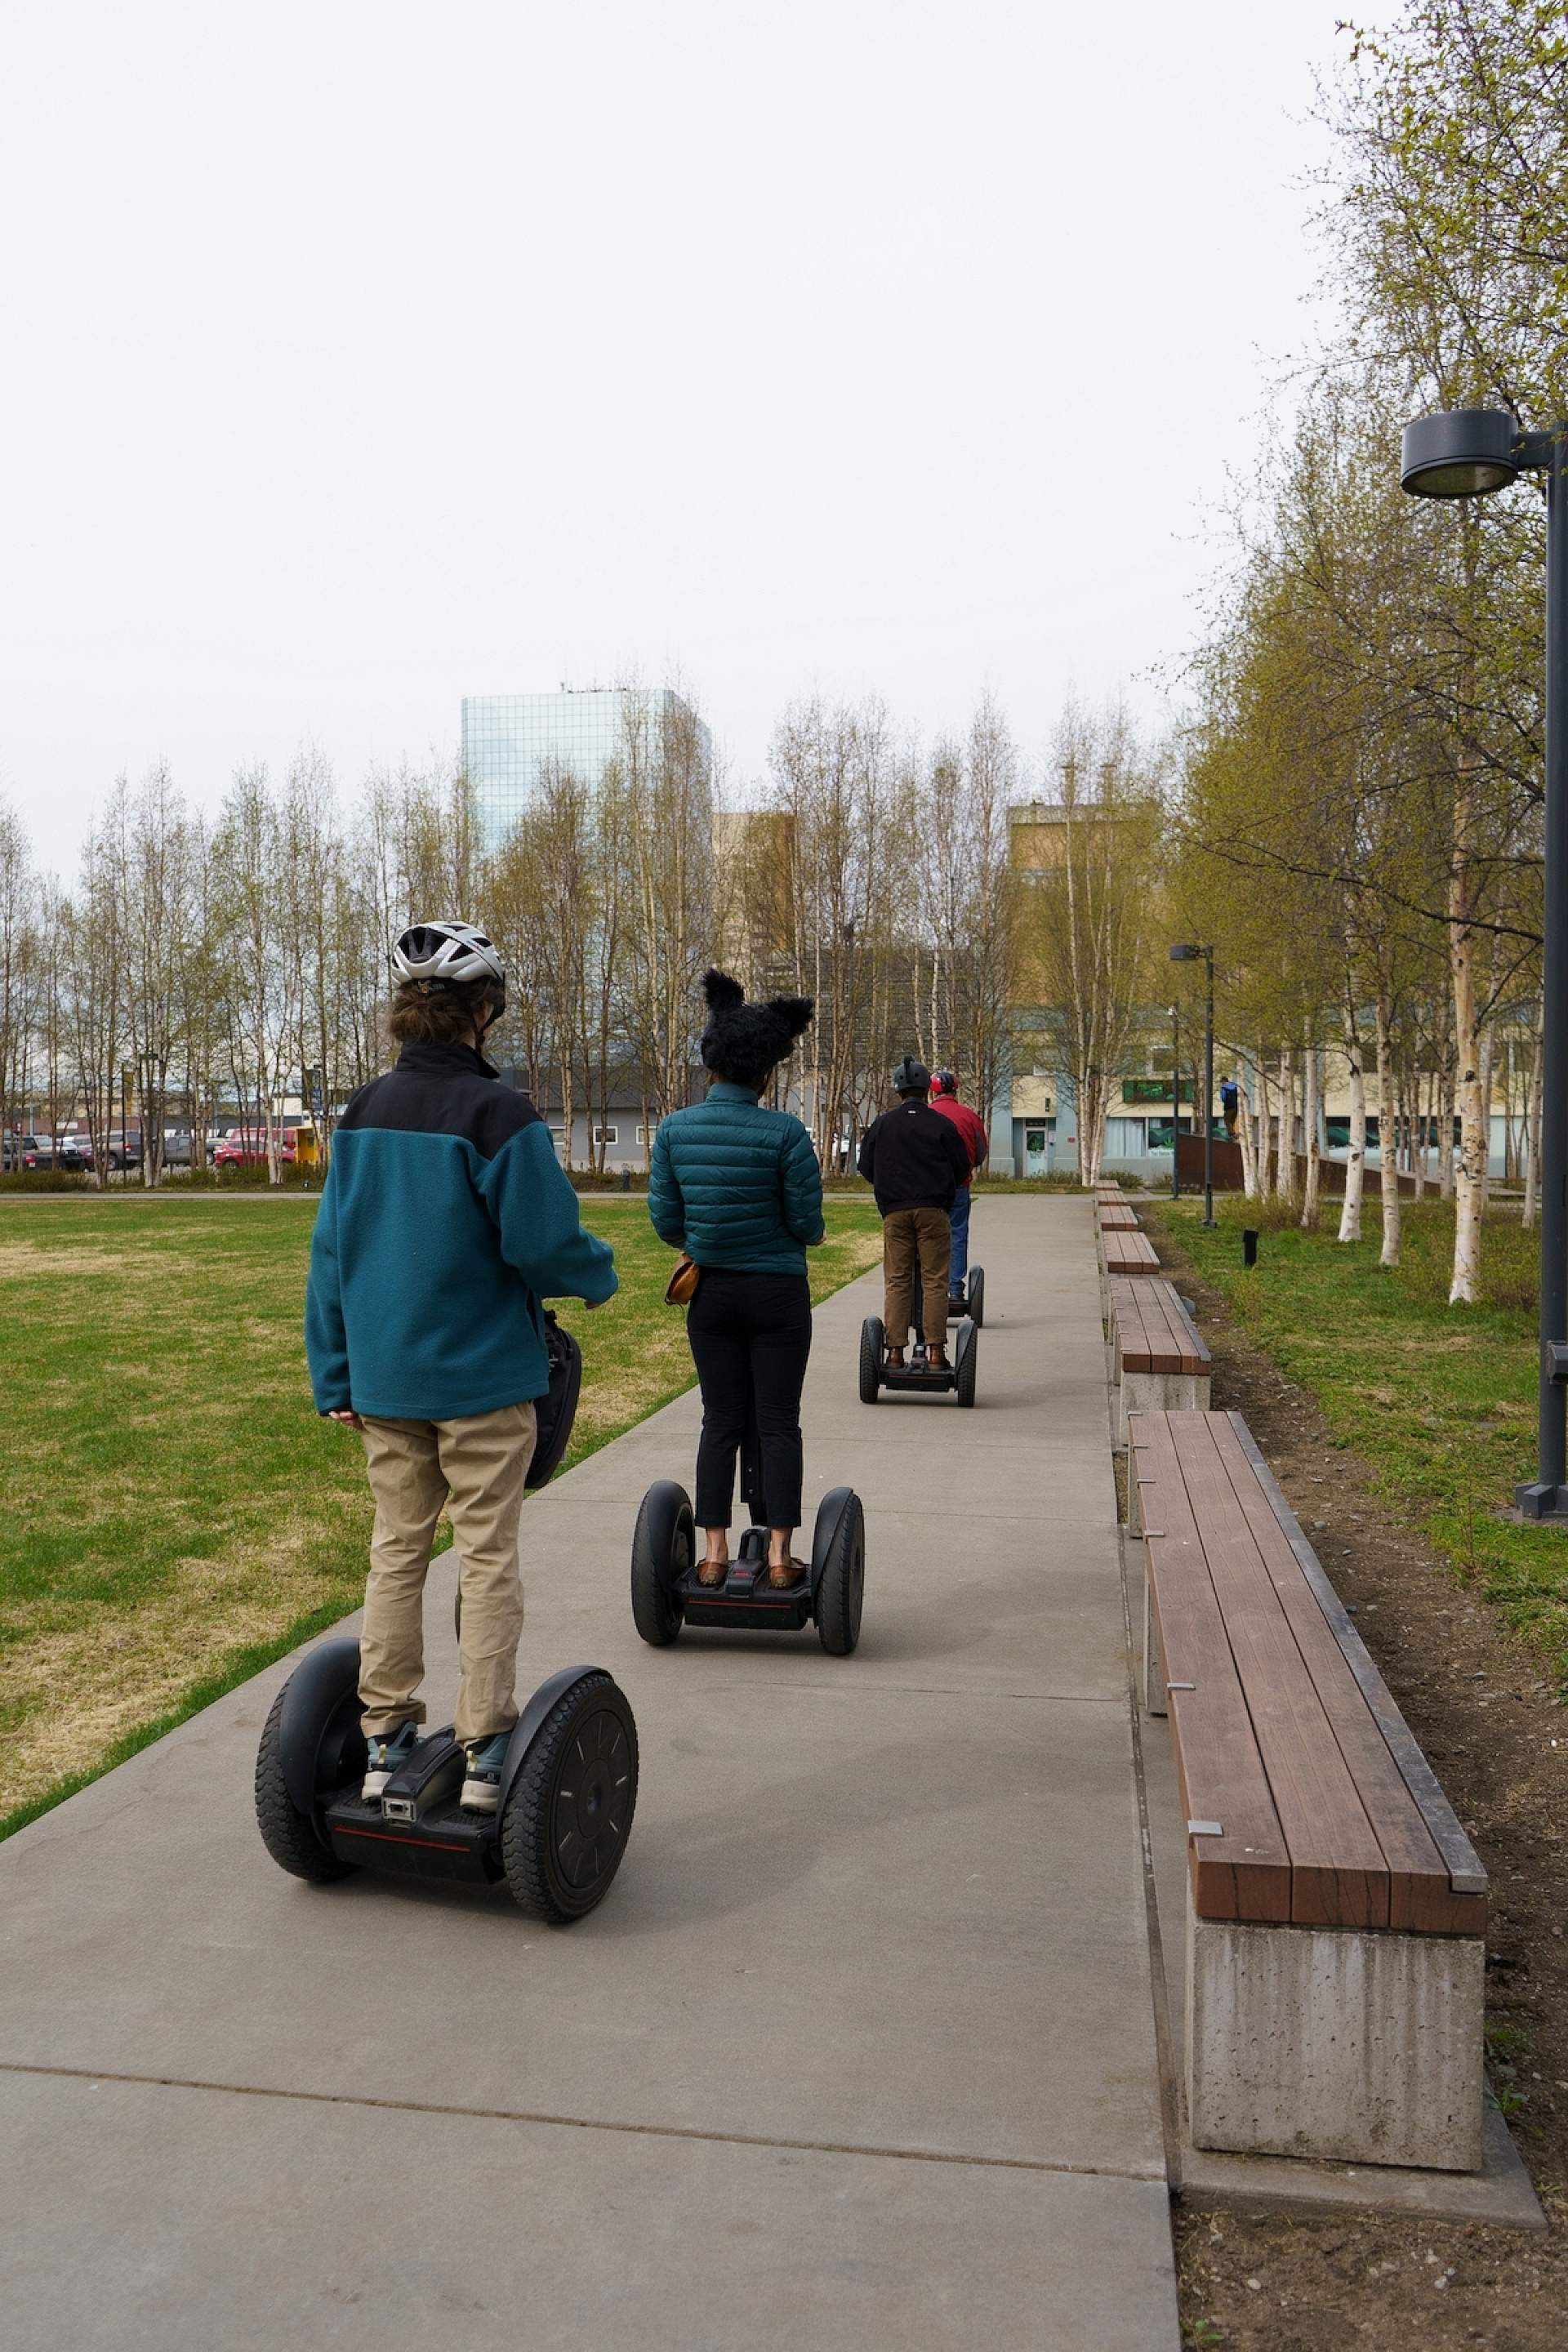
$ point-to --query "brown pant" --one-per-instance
(474, 1467)
(909, 1233)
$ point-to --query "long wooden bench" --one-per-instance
(1336, 1910)
(1162, 1364)
(1124, 1253)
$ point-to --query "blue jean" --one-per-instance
(958, 1264)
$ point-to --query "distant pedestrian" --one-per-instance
(917, 1163)
(971, 1127)
(1230, 1105)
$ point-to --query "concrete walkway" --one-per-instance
(859, 2052)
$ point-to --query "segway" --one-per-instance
(568, 1786)
(568, 1789)
(666, 1593)
(917, 1371)
(969, 1300)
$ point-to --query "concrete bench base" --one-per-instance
(1159, 1393)
(1360, 2048)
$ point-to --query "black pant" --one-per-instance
(751, 1336)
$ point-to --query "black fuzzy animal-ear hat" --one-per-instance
(745, 1041)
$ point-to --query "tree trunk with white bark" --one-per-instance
(1387, 1136)
(1355, 1159)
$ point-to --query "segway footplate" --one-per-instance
(746, 1599)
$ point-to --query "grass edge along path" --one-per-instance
(1439, 1403)
(648, 1347)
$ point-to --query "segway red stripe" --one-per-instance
(391, 1837)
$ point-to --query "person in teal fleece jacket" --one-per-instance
(446, 1221)
(737, 1187)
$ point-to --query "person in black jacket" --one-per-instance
(915, 1160)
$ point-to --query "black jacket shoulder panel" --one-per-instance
(439, 1090)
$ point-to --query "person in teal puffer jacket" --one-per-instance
(737, 1187)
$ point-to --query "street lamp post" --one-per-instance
(1176, 1102)
(1466, 452)
(1190, 954)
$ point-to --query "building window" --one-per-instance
(646, 1134)
(606, 1135)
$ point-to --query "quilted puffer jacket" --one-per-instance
(735, 1184)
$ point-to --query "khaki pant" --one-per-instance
(909, 1235)
(474, 1467)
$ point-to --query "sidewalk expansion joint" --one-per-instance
(360, 2100)
(864, 1690)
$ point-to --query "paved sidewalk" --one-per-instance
(859, 2052)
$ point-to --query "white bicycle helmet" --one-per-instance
(445, 955)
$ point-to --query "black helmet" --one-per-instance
(911, 1078)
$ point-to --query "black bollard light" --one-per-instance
(1248, 1246)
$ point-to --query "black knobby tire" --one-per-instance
(289, 1838)
(842, 1588)
(664, 1547)
(977, 1297)
(967, 1366)
(569, 1813)
(872, 1350)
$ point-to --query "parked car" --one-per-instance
(35, 1152)
(75, 1150)
(246, 1147)
(176, 1147)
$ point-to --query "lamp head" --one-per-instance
(1461, 452)
(1185, 954)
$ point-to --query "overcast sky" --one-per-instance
(360, 355)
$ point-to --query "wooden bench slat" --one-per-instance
(1129, 1254)
(1419, 1893)
(1152, 1329)
(1246, 1873)
(1337, 1871)
(1466, 1872)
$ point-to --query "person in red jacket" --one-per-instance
(971, 1127)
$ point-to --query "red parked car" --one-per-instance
(246, 1147)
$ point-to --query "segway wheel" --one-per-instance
(841, 1587)
(967, 1366)
(288, 1836)
(977, 1296)
(569, 1813)
(871, 1350)
(664, 1546)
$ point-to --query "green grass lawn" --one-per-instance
(1438, 1400)
(176, 1515)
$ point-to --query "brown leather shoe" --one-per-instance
(782, 1575)
(712, 1571)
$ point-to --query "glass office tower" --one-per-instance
(509, 738)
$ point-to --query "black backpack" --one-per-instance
(556, 1410)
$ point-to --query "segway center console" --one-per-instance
(666, 1593)
(916, 1370)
